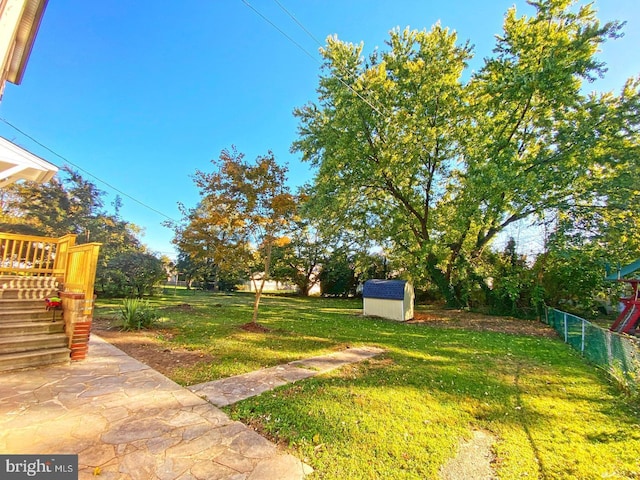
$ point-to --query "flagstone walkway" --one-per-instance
(233, 389)
(126, 420)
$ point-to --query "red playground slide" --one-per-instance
(629, 319)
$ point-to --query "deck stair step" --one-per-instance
(30, 328)
(23, 343)
(12, 315)
(22, 303)
(34, 358)
(27, 293)
(20, 281)
(30, 335)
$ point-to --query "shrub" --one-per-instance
(131, 273)
(136, 314)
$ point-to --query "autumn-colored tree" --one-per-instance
(245, 209)
(208, 244)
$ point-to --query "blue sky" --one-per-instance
(141, 94)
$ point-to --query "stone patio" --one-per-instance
(126, 420)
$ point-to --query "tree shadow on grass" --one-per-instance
(501, 382)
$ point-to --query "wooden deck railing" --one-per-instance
(73, 265)
(81, 270)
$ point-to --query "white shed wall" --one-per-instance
(409, 298)
(378, 307)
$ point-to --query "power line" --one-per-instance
(299, 23)
(313, 37)
(281, 31)
(267, 20)
(306, 51)
(104, 182)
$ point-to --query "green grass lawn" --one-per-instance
(402, 414)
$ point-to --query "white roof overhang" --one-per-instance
(17, 163)
(26, 32)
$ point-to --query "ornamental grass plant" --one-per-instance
(136, 314)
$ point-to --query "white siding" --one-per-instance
(378, 307)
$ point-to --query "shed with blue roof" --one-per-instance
(391, 299)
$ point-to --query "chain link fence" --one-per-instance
(617, 354)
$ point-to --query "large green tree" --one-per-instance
(300, 256)
(67, 204)
(433, 162)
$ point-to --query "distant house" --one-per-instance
(270, 286)
(277, 286)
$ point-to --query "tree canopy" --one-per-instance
(71, 204)
(432, 162)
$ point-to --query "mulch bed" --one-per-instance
(147, 346)
(254, 328)
(461, 319)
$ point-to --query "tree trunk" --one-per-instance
(267, 269)
(256, 302)
(441, 281)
